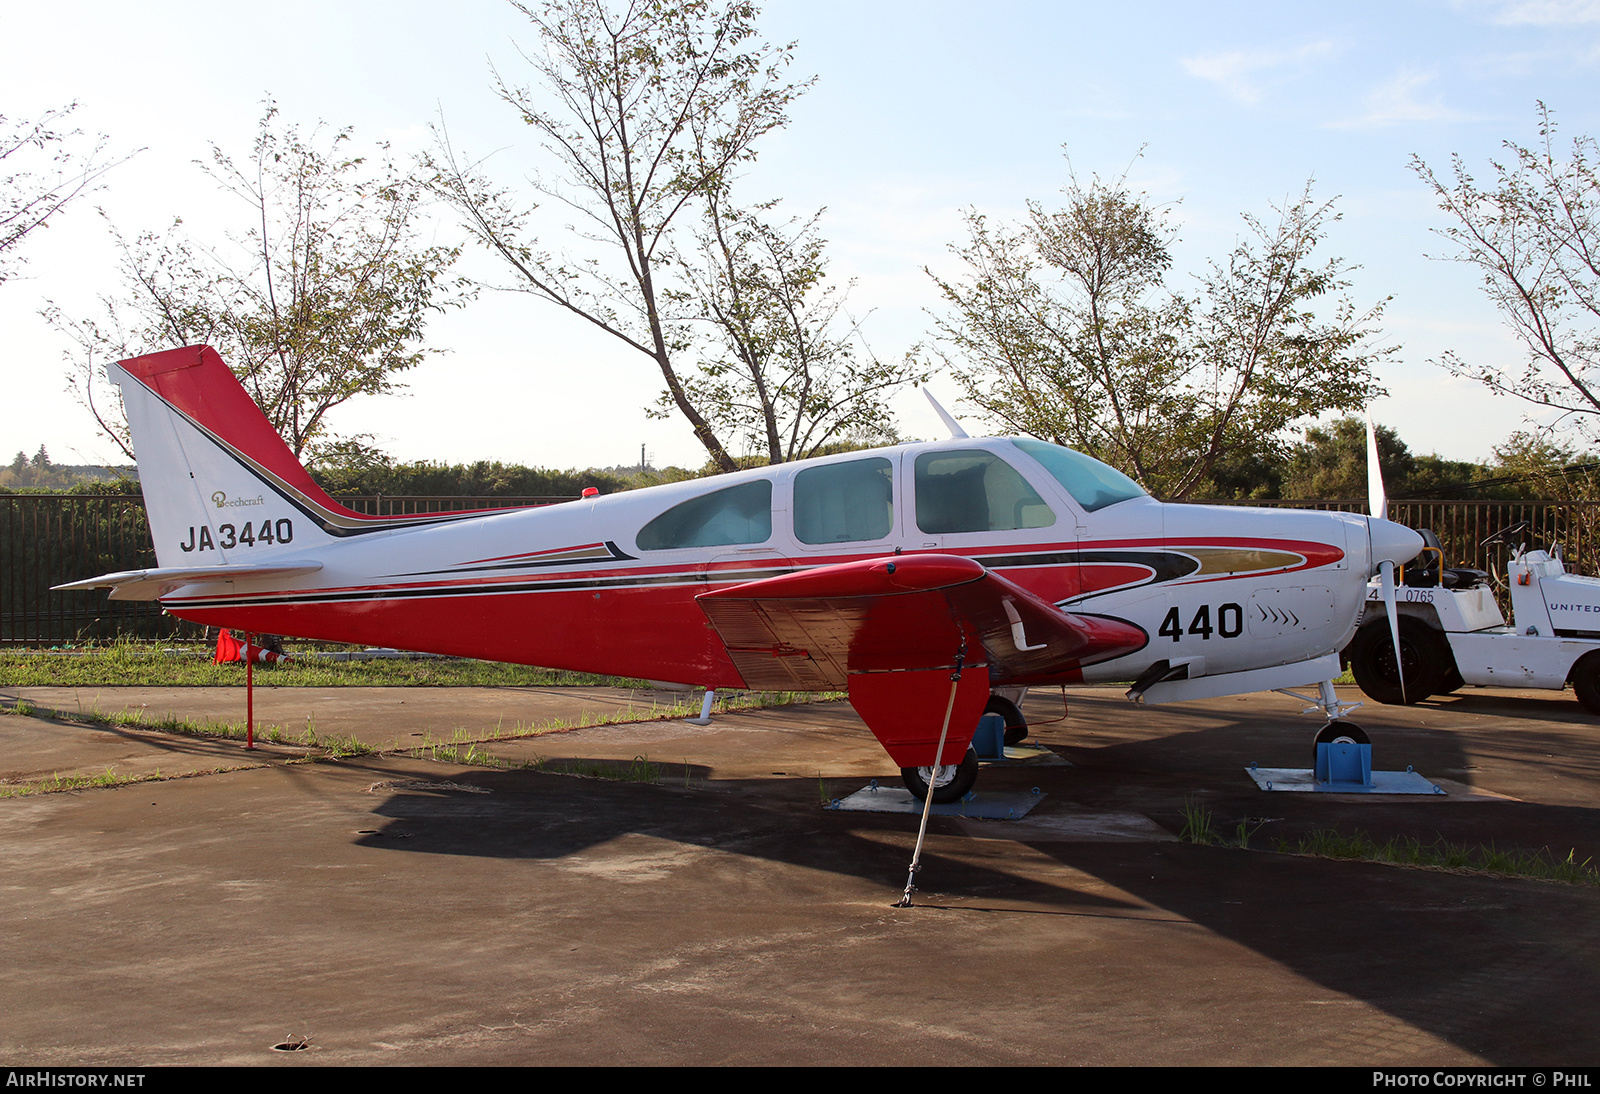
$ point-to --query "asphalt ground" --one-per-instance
(399, 908)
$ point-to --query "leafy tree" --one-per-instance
(1533, 464)
(1534, 234)
(778, 374)
(43, 169)
(324, 297)
(1064, 327)
(1332, 463)
(649, 110)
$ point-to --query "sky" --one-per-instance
(920, 112)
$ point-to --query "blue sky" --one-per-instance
(920, 111)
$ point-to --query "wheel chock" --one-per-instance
(989, 742)
(1344, 762)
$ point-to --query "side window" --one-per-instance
(975, 491)
(844, 502)
(739, 514)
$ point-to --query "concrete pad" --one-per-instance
(394, 909)
(1010, 805)
(34, 749)
(387, 718)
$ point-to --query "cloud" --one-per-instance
(1544, 13)
(1244, 74)
(1398, 101)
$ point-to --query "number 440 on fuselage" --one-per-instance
(869, 572)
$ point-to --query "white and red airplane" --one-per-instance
(878, 573)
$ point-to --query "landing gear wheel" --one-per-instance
(1423, 653)
(951, 782)
(1338, 732)
(1586, 681)
(1016, 724)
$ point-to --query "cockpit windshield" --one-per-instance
(1092, 484)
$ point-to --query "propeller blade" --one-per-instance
(1377, 500)
(1386, 577)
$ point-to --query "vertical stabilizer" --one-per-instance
(220, 486)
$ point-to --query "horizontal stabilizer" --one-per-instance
(156, 583)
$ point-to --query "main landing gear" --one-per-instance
(952, 782)
(1337, 730)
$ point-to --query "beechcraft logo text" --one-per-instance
(222, 501)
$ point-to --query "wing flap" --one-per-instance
(155, 583)
(890, 631)
(899, 614)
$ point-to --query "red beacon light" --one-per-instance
(591, 491)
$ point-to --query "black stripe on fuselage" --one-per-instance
(1164, 566)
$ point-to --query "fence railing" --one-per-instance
(1462, 526)
(50, 539)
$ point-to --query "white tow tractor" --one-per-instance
(1453, 633)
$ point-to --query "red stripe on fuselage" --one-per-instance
(655, 631)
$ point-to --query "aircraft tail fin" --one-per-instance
(220, 485)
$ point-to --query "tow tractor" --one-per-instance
(1452, 632)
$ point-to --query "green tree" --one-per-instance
(43, 169)
(1065, 327)
(1534, 235)
(1534, 464)
(648, 109)
(322, 298)
(1332, 463)
(778, 373)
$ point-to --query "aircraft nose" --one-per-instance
(1391, 541)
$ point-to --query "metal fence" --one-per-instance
(49, 539)
(1462, 527)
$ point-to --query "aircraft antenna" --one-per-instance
(956, 432)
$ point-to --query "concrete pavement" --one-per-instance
(395, 909)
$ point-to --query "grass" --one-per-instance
(641, 770)
(140, 664)
(57, 784)
(1443, 855)
(1199, 827)
(333, 744)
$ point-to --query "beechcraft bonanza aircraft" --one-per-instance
(1012, 562)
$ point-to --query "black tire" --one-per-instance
(1016, 724)
(1423, 652)
(960, 778)
(1452, 681)
(1338, 732)
(1586, 681)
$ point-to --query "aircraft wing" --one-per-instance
(814, 628)
(889, 630)
(155, 583)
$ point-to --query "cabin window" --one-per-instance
(1092, 484)
(739, 514)
(975, 491)
(844, 502)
